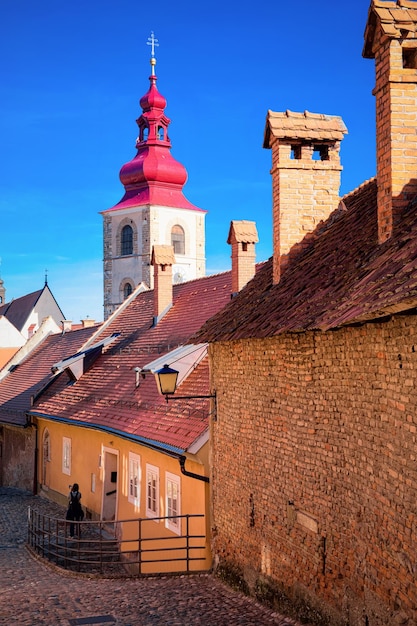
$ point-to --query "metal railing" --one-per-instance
(132, 547)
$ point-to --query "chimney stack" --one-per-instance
(66, 326)
(242, 237)
(391, 39)
(305, 175)
(162, 259)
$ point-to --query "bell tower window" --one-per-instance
(178, 239)
(127, 290)
(127, 241)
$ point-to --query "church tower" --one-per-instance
(153, 210)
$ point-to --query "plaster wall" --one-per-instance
(88, 467)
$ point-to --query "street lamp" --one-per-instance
(167, 384)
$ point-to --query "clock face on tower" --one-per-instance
(179, 274)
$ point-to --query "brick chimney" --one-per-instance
(242, 237)
(305, 175)
(162, 260)
(391, 39)
(87, 322)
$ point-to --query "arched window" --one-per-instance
(161, 133)
(178, 239)
(127, 240)
(127, 290)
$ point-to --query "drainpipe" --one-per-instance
(182, 460)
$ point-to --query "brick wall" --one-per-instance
(18, 457)
(314, 462)
(396, 122)
(305, 191)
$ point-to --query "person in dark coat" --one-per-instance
(75, 512)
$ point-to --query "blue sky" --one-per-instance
(72, 75)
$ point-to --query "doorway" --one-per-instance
(110, 466)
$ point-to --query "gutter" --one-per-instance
(171, 451)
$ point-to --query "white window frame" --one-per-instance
(152, 474)
(134, 479)
(66, 456)
(173, 506)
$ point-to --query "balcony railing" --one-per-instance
(132, 547)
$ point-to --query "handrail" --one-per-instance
(130, 547)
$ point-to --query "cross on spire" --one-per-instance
(152, 42)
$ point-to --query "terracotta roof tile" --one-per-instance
(163, 255)
(393, 19)
(290, 125)
(341, 276)
(242, 231)
(34, 372)
(106, 396)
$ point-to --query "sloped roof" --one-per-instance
(242, 231)
(17, 311)
(106, 397)
(34, 372)
(340, 276)
(396, 19)
(291, 125)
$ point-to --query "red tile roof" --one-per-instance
(106, 396)
(34, 372)
(341, 275)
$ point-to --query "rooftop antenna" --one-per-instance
(153, 42)
(46, 277)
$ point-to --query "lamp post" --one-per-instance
(167, 383)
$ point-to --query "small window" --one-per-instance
(66, 456)
(410, 58)
(127, 241)
(321, 153)
(127, 290)
(178, 240)
(295, 152)
(145, 133)
(134, 479)
(161, 133)
(152, 491)
(173, 503)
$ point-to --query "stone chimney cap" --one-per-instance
(308, 126)
(242, 231)
(163, 255)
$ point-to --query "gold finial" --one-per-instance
(152, 41)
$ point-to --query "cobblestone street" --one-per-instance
(33, 592)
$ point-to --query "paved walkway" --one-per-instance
(32, 592)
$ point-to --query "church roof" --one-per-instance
(340, 276)
(17, 311)
(153, 176)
